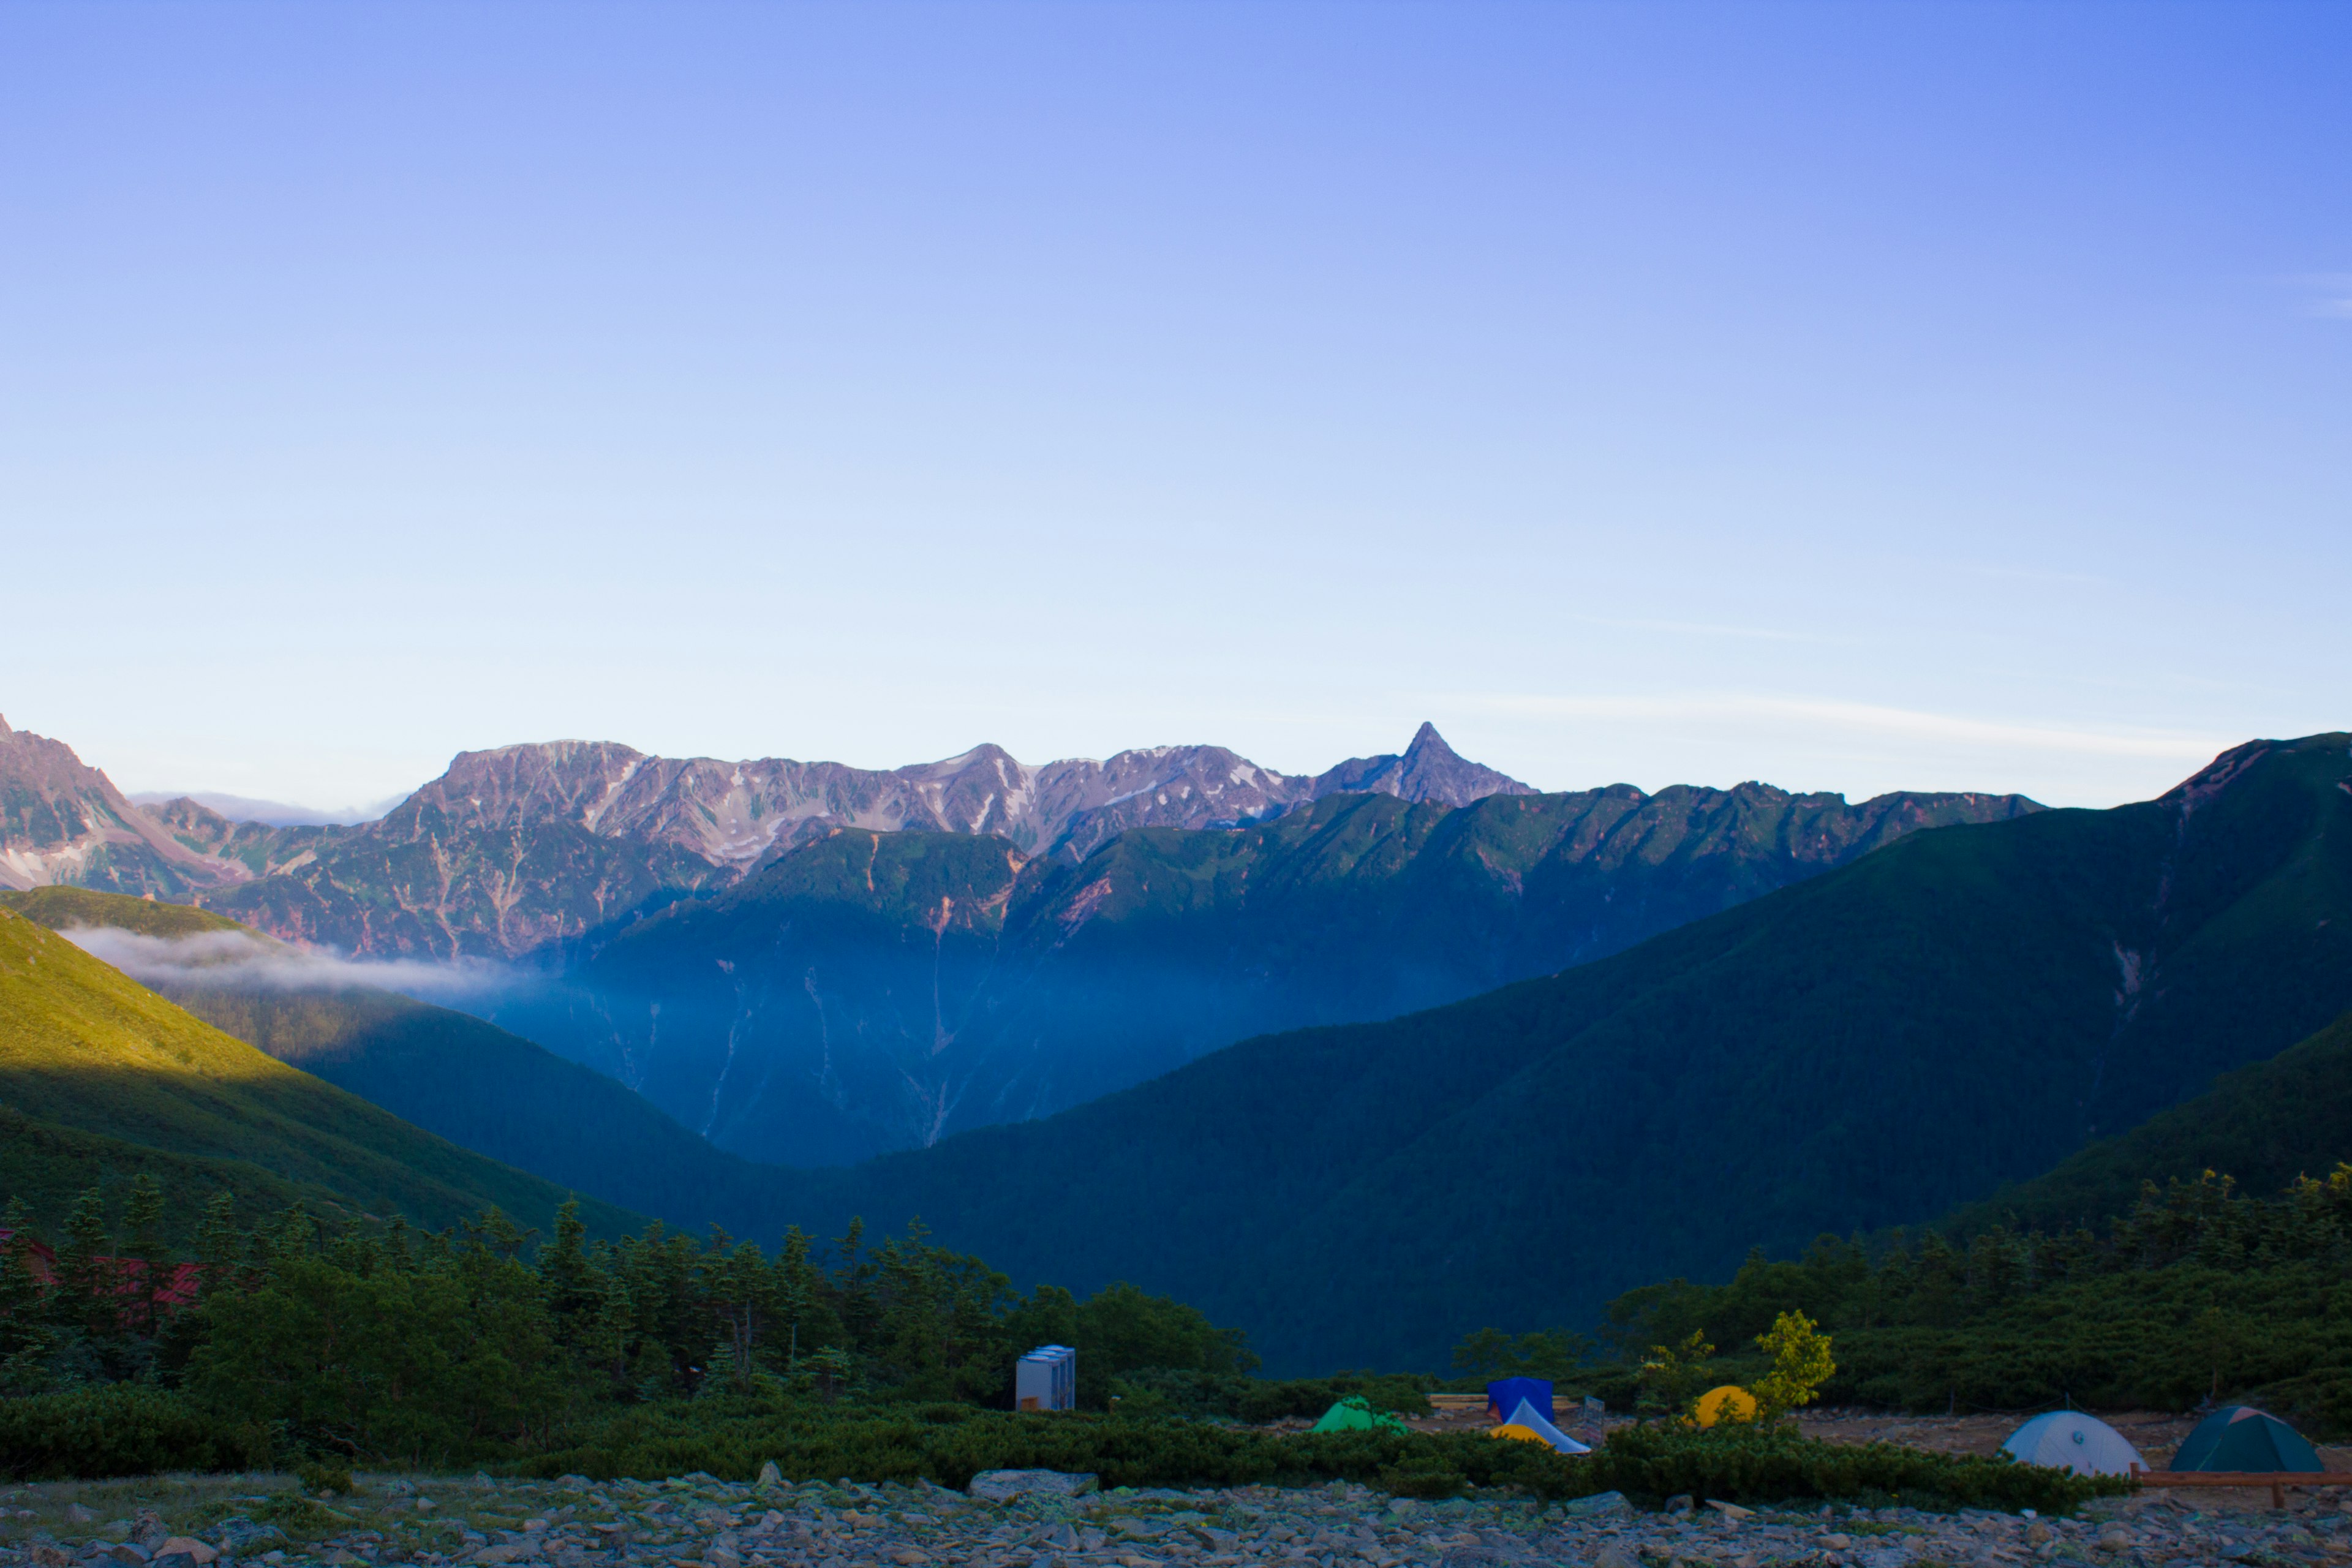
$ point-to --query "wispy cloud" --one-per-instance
(239, 958)
(1703, 629)
(1862, 717)
(2328, 293)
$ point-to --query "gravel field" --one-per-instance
(699, 1522)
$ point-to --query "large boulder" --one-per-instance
(1003, 1486)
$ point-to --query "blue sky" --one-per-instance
(1850, 396)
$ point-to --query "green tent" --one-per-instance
(1353, 1415)
(2241, 1437)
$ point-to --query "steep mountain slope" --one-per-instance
(63, 821)
(1963, 1008)
(2262, 1125)
(876, 991)
(442, 1071)
(516, 850)
(85, 1051)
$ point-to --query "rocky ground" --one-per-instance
(699, 1522)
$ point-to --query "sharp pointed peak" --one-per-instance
(1427, 739)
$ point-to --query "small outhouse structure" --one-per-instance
(1047, 1379)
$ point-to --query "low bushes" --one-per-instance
(128, 1430)
(119, 1429)
(949, 1444)
(1164, 1391)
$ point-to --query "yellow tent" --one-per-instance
(1518, 1433)
(1729, 1402)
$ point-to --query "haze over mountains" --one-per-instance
(858, 961)
(877, 991)
(1753, 1017)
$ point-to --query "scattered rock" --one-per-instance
(76, 1514)
(1614, 1556)
(186, 1546)
(1681, 1502)
(1837, 1542)
(2037, 1533)
(44, 1556)
(1003, 1486)
(1598, 1504)
(1730, 1509)
(769, 1476)
(147, 1529)
(244, 1538)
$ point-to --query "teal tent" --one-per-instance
(2241, 1437)
(1353, 1415)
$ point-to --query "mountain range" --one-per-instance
(2023, 1014)
(1964, 1008)
(877, 991)
(811, 964)
(516, 850)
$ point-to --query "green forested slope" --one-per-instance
(85, 1050)
(490, 1091)
(874, 991)
(2265, 1125)
(1964, 1008)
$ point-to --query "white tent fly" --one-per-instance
(1528, 1417)
(2070, 1440)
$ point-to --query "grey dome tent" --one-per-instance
(2070, 1440)
(2241, 1437)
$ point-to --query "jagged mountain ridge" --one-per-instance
(524, 847)
(874, 991)
(520, 849)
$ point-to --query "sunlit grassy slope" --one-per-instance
(62, 906)
(447, 1072)
(85, 1050)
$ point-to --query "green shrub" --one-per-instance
(1771, 1464)
(1170, 1392)
(326, 1476)
(120, 1430)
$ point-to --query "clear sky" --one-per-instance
(1850, 396)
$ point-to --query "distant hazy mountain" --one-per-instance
(516, 850)
(268, 813)
(1964, 1007)
(873, 991)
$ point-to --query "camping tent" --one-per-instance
(1353, 1415)
(1529, 1418)
(1729, 1403)
(2070, 1440)
(1516, 1433)
(1503, 1396)
(2241, 1437)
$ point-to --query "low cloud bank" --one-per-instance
(237, 959)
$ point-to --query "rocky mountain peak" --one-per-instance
(64, 821)
(1428, 769)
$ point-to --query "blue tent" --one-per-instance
(2241, 1437)
(1503, 1396)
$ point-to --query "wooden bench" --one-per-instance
(2277, 1481)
